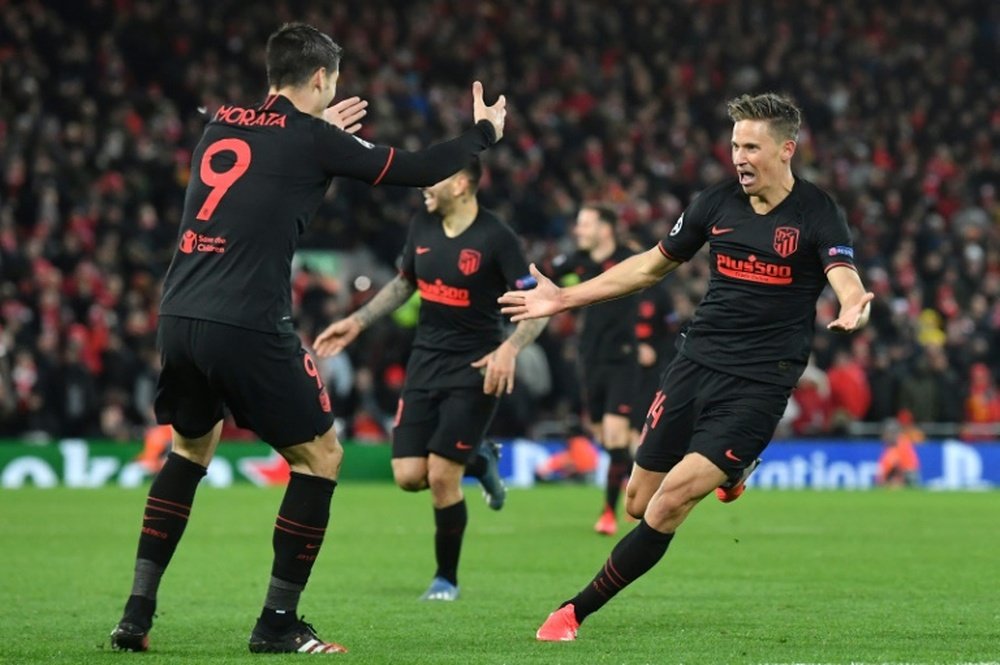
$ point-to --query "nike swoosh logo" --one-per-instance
(463, 446)
(730, 455)
(716, 231)
(310, 546)
(423, 250)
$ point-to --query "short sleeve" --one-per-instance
(833, 239)
(689, 233)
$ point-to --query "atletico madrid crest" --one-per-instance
(468, 261)
(786, 240)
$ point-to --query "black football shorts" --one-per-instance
(449, 422)
(610, 388)
(269, 382)
(649, 383)
(726, 418)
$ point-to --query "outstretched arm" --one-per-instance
(339, 334)
(499, 364)
(855, 302)
(633, 274)
(343, 155)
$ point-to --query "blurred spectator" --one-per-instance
(898, 466)
(611, 102)
(982, 406)
(850, 394)
(932, 391)
(812, 403)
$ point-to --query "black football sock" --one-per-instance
(168, 507)
(634, 554)
(618, 470)
(298, 535)
(449, 529)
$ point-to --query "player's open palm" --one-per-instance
(346, 114)
(850, 317)
(541, 301)
(337, 336)
(496, 114)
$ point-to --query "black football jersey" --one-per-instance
(258, 176)
(608, 329)
(459, 280)
(759, 315)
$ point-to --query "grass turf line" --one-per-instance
(818, 577)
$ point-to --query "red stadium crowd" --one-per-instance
(101, 103)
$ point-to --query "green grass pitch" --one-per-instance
(777, 577)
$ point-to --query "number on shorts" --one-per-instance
(221, 181)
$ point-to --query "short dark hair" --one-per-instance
(781, 114)
(295, 51)
(474, 172)
(605, 213)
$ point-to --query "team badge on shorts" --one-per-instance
(786, 240)
(468, 261)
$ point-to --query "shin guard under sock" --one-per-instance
(168, 507)
(633, 556)
(449, 530)
(298, 535)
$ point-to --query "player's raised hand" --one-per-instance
(851, 318)
(543, 300)
(337, 336)
(346, 114)
(496, 114)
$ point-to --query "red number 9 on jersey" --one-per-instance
(221, 181)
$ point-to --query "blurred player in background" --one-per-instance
(225, 329)
(775, 242)
(460, 258)
(607, 351)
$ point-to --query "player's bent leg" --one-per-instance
(298, 535)
(444, 477)
(410, 473)
(164, 519)
(681, 489)
(690, 481)
(642, 484)
(198, 449)
(320, 457)
(450, 520)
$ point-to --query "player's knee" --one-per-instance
(442, 484)
(327, 456)
(634, 505)
(410, 484)
(409, 481)
(616, 436)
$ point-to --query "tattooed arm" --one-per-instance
(339, 334)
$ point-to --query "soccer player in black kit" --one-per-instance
(775, 241)
(460, 258)
(225, 333)
(607, 351)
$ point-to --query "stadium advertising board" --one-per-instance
(801, 464)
